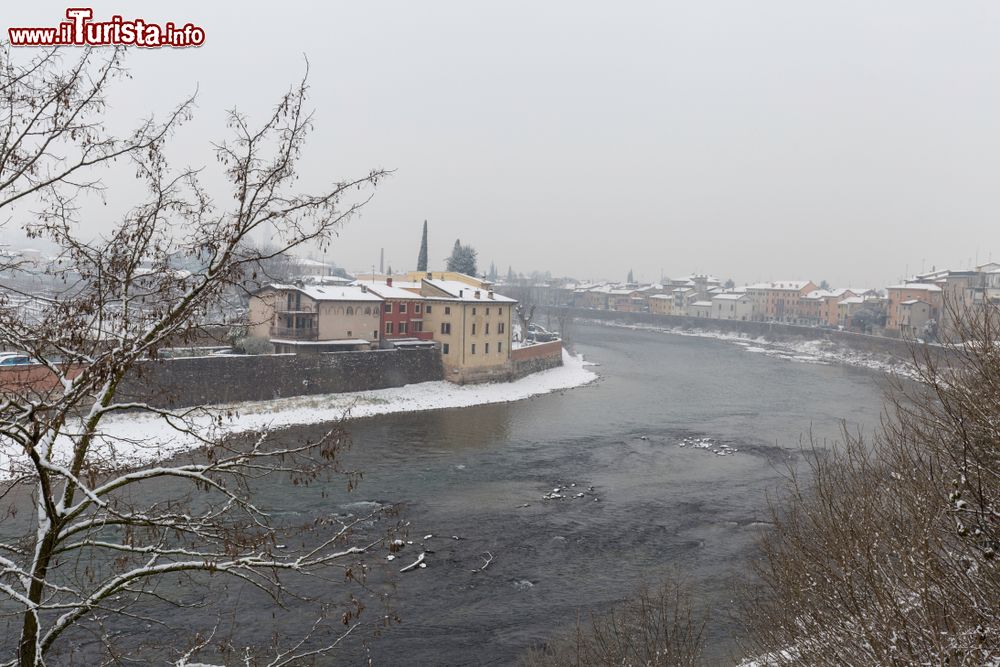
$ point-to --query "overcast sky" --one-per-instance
(846, 141)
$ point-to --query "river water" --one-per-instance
(650, 506)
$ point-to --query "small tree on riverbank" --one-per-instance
(100, 548)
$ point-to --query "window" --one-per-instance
(473, 310)
(444, 348)
(402, 307)
(501, 327)
(447, 310)
(473, 348)
(349, 334)
(473, 328)
(487, 332)
(486, 348)
(350, 310)
(376, 311)
(487, 311)
(499, 311)
(368, 310)
(388, 328)
(402, 327)
(428, 308)
(375, 334)
(418, 325)
(388, 306)
(446, 327)
(416, 307)
(499, 347)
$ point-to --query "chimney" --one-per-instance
(429, 275)
(364, 288)
(461, 293)
(491, 294)
(477, 294)
(388, 282)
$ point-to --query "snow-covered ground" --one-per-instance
(143, 438)
(804, 351)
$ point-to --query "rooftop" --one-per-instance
(327, 292)
(461, 291)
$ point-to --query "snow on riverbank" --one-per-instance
(143, 438)
(803, 351)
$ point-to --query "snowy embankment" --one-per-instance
(804, 351)
(138, 438)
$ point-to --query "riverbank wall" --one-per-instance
(186, 382)
(770, 331)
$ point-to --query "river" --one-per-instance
(650, 506)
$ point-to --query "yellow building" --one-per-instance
(473, 326)
(661, 304)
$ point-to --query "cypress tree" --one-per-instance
(422, 257)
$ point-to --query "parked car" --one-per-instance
(15, 359)
(540, 334)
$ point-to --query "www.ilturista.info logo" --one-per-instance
(79, 30)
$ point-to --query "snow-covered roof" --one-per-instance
(729, 296)
(334, 341)
(796, 285)
(852, 300)
(389, 292)
(460, 291)
(917, 286)
(661, 296)
(702, 304)
(910, 302)
(328, 292)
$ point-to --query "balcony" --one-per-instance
(292, 333)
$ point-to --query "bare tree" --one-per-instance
(100, 543)
(886, 553)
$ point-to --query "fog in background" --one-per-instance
(846, 141)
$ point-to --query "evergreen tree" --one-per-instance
(463, 259)
(729, 284)
(824, 285)
(493, 272)
(388, 271)
(422, 257)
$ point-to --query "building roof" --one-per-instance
(729, 296)
(333, 341)
(389, 291)
(910, 302)
(852, 300)
(460, 291)
(668, 297)
(327, 292)
(796, 285)
(918, 286)
(702, 304)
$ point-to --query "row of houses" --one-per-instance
(461, 314)
(923, 306)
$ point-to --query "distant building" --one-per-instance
(661, 304)
(732, 306)
(700, 309)
(778, 301)
(929, 293)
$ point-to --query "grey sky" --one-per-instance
(758, 140)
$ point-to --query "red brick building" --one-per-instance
(402, 311)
